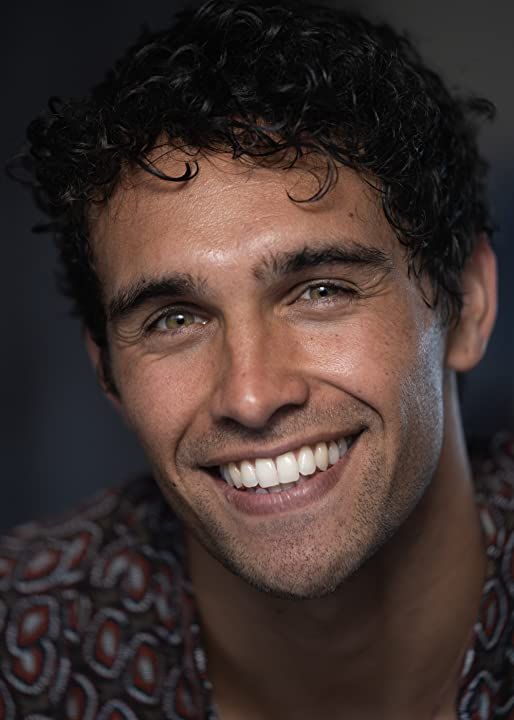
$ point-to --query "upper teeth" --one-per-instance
(286, 468)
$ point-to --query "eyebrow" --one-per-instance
(129, 299)
(343, 252)
(268, 269)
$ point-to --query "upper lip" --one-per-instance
(271, 452)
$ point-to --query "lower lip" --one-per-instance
(312, 489)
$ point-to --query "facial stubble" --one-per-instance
(290, 556)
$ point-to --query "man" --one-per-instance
(273, 224)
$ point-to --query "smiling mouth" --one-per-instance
(284, 472)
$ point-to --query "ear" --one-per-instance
(98, 362)
(467, 341)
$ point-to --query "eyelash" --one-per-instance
(350, 293)
(151, 327)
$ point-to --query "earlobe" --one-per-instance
(467, 341)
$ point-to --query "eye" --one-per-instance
(175, 320)
(324, 291)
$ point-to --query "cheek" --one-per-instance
(160, 397)
(364, 357)
(392, 363)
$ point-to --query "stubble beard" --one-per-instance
(306, 564)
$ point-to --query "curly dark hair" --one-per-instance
(270, 82)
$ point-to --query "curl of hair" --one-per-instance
(270, 82)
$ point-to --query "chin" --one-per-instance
(308, 589)
(311, 573)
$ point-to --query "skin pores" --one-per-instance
(249, 360)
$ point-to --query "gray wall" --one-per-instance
(60, 440)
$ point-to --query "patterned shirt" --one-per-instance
(98, 619)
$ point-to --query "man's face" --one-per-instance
(246, 326)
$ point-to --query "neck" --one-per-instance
(389, 643)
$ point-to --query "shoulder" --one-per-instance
(489, 674)
(88, 599)
(84, 547)
(493, 470)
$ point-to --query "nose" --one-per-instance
(259, 374)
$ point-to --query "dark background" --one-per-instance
(60, 440)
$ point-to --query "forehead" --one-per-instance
(226, 217)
